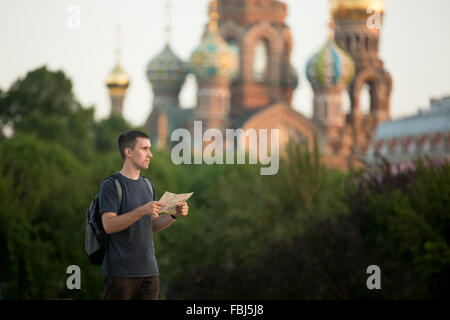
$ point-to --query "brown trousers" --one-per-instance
(117, 288)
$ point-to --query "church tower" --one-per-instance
(215, 65)
(358, 26)
(166, 73)
(329, 72)
(256, 31)
(117, 82)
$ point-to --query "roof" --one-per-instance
(433, 120)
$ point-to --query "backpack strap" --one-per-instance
(119, 188)
(149, 184)
(119, 203)
(119, 192)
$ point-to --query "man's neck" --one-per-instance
(130, 172)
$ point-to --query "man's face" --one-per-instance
(141, 154)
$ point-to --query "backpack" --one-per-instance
(95, 237)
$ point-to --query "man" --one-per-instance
(133, 272)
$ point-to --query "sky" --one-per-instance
(414, 45)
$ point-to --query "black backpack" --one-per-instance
(95, 236)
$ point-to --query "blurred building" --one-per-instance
(246, 80)
(117, 81)
(425, 135)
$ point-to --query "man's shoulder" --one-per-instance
(109, 182)
(110, 179)
(146, 179)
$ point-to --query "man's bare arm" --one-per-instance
(113, 223)
(165, 220)
(162, 222)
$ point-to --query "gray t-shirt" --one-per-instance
(131, 251)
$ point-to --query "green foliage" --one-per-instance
(405, 222)
(307, 232)
(40, 216)
(238, 219)
(106, 129)
(50, 169)
(49, 93)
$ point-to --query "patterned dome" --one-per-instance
(117, 77)
(331, 67)
(349, 9)
(214, 59)
(166, 70)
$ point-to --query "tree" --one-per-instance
(241, 219)
(107, 131)
(41, 90)
(43, 104)
(45, 192)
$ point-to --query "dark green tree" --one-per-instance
(43, 104)
(44, 195)
(41, 90)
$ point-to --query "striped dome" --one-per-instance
(331, 67)
(214, 59)
(166, 70)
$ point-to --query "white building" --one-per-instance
(425, 135)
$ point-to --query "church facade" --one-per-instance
(245, 79)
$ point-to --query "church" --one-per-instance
(246, 81)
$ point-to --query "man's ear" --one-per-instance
(127, 152)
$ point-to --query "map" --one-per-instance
(169, 200)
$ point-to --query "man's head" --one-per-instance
(135, 146)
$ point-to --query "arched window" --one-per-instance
(340, 40)
(346, 102)
(261, 61)
(365, 99)
(358, 42)
(348, 43)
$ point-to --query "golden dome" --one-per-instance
(351, 9)
(117, 77)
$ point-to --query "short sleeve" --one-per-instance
(108, 197)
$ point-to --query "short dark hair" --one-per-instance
(128, 139)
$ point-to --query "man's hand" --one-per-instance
(152, 208)
(165, 220)
(181, 209)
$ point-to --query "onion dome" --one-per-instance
(355, 9)
(214, 59)
(117, 77)
(331, 67)
(166, 70)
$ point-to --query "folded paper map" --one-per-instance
(169, 200)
